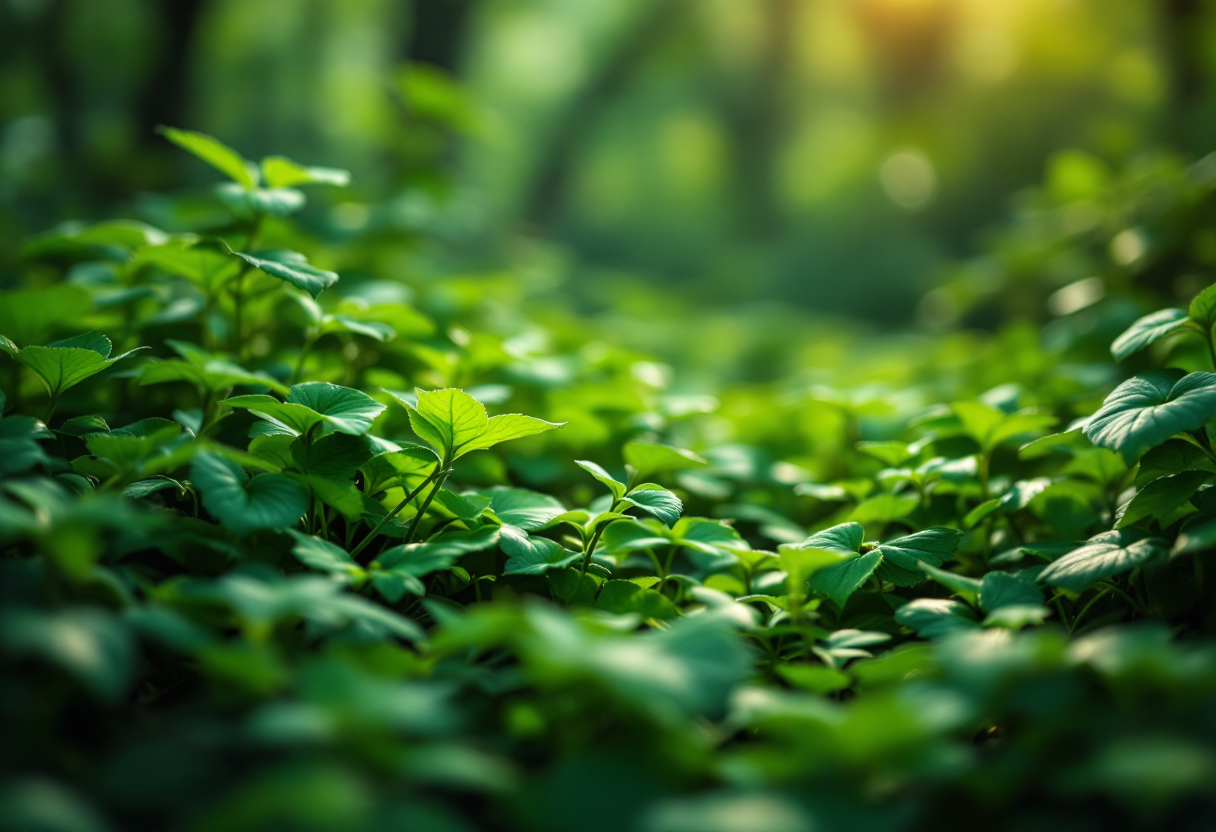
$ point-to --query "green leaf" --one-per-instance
(800, 564)
(322, 555)
(648, 458)
(64, 364)
(504, 428)
(333, 455)
(405, 469)
(814, 678)
(268, 501)
(839, 581)
(569, 586)
(1001, 589)
(1172, 457)
(250, 204)
(1017, 616)
(1148, 409)
(966, 588)
(524, 509)
(533, 555)
(1147, 330)
(457, 416)
(884, 508)
(281, 172)
(845, 538)
(893, 454)
(657, 502)
(936, 617)
(1161, 497)
(623, 597)
(215, 153)
(1102, 556)
(341, 409)
(1203, 309)
(902, 557)
(615, 486)
(291, 267)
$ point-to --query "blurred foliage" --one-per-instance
(836, 154)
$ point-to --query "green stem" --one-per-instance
(396, 510)
(50, 410)
(1072, 628)
(671, 554)
(595, 539)
(1207, 337)
(409, 536)
(308, 344)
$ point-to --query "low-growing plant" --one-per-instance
(251, 581)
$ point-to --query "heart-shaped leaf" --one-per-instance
(902, 557)
(1102, 556)
(64, 364)
(1148, 409)
(1147, 330)
(341, 409)
(267, 501)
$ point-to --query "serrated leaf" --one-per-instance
(291, 267)
(1203, 308)
(839, 581)
(341, 409)
(1147, 330)
(333, 455)
(657, 502)
(322, 555)
(215, 153)
(1101, 557)
(902, 557)
(458, 417)
(64, 364)
(1148, 409)
(1001, 589)
(267, 501)
(1161, 497)
(504, 428)
(405, 469)
(615, 486)
(533, 555)
(524, 509)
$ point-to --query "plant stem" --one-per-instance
(396, 510)
(409, 536)
(295, 374)
(1207, 337)
(50, 410)
(595, 539)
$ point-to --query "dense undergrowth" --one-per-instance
(270, 563)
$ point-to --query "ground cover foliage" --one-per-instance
(289, 543)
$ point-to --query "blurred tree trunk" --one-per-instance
(437, 32)
(1190, 128)
(758, 122)
(572, 127)
(164, 98)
